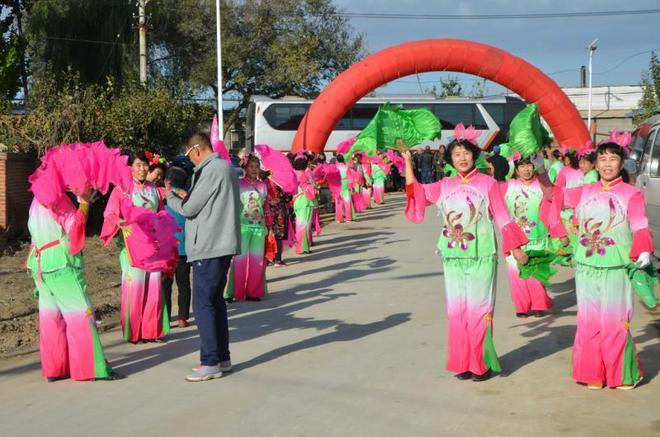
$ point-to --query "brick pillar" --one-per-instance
(15, 168)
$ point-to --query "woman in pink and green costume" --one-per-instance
(68, 341)
(143, 313)
(303, 205)
(528, 199)
(613, 233)
(468, 203)
(247, 277)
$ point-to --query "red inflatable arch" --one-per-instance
(440, 55)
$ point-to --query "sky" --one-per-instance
(553, 45)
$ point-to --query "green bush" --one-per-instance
(133, 118)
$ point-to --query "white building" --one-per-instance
(611, 106)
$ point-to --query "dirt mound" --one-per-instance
(19, 309)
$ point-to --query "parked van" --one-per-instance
(645, 150)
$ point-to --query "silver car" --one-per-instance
(646, 153)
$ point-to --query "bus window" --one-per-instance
(496, 111)
(452, 114)
(513, 107)
(344, 123)
(362, 114)
(478, 120)
(285, 116)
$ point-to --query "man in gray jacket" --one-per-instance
(213, 236)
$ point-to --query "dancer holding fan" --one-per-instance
(143, 313)
(68, 340)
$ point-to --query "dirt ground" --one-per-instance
(18, 309)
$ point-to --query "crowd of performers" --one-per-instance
(273, 215)
(576, 207)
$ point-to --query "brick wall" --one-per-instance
(14, 195)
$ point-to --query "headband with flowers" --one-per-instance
(155, 159)
(623, 139)
(468, 134)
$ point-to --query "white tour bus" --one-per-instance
(275, 121)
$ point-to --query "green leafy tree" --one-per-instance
(449, 87)
(95, 38)
(650, 101)
(11, 53)
(274, 48)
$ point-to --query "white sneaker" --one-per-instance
(204, 373)
(225, 366)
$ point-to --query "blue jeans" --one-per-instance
(427, 176)
(209, 279)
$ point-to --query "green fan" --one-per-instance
(526, 132)
(393, 127)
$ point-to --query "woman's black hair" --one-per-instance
(300, 163)
(616, 149)
(591, 157)
(141, 156)
(340, 159)
(572, 159)
(160, 165)
(473, 149)
(251, 158)
(556, 154)
(177, 177)
(522, 161)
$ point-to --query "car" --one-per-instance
(645, 151)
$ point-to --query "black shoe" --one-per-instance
(56, 378)
(113, 376)
(539, 313)
(463, 376)
(229, 299)
(522, 315)
(484, 377)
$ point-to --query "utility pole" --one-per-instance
(592, 48)
(583, 76)
(142, 29)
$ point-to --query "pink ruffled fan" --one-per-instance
(345, 146)
(462, 133)
(282, 172)
(333, 178)
(398, 161)
(150, 239)
(78, 167)
(217, 144)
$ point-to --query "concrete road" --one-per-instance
(351, 342)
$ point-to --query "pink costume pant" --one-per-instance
(68, 341)
(143, 312)
(366, 196)
(379, 192)
(470, 304)
(604, 352)
(247, 277)
(343, 211)
(316, 217)
(527, 294)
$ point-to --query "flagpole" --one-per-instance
(221, 129)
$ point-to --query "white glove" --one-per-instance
(644, 260)
(538, 161)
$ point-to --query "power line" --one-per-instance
(90, 41)
(543, 15)
(625, 60)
